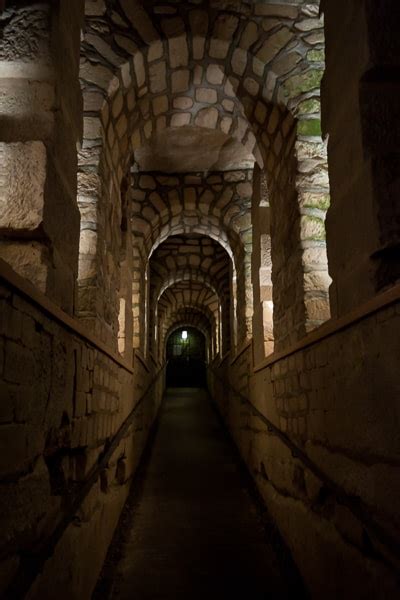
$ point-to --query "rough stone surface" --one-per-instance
(165, 169)
(22, 180)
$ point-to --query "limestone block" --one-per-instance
(160, 105)
(139, 19)
(182, 102)
(198, 47)
(286, 63)
(92, 128)
(92, 101)
(180, 119)
(207, 95)
(126, 43)
(304, 82)
(95, 8)
(140, 72)
(274, 44)
(148, 128)
(198, 22)
(226, 123)
(214, 74)
(157, 74)
(197, 74)
(207, 118)
(87, 268)
(315, 38)
(249, 35)
(309, 24)
(239, 61)
(228, 105)
(244, 190)
(218, 48)
(88, 242)
(318, 178)
(147, 182)
(251, 86)
(22, 180)
(28, 259)
(180, 80)
(178, 52)
(99, 75)
(155, 51)
(104, 49)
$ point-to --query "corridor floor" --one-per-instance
(192, 528)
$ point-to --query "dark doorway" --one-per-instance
(186, 355)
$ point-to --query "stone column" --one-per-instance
(299, 194)
(225, 326)
(41, 124)
(360, 111)
(261, 269)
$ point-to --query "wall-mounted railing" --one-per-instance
(32, 563)
(34, 296)
(387, 547)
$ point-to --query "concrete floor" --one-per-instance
(192, 528)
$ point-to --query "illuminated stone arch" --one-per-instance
(266, 74)
(196, 321)
(189, 314)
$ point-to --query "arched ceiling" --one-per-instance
(216, 205)
(228, 67)
(192, 148)
(182, 98)
(188, 295)
(188, 318)
(189, 303)
(185, 258)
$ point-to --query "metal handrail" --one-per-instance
(354, 503)
(33, 561)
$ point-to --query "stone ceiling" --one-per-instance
(186, 97)
(191, 148)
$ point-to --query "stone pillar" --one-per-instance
(360, 111)
(225, 326)
(312, 185)
(125, 332)
(233, 307)
(243, 290)
(263, 338)
(41, 122)
(298, 199)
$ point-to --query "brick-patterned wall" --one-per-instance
(338, 401)
(61, 400)
(41, 124)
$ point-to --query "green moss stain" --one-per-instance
(298, 84)
(309, 127)
(324, 202)
(316, 55)
(313, 228)
(309, 106)
(320, 201)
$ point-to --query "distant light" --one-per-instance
(184, 335)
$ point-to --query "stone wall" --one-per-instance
(62, 398)
(360, 108)
(41, 125)
(248, 76)
(337, 400)
(215, 205)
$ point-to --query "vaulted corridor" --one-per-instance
(194, 529)
(204, 194)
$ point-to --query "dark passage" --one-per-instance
(186, 355)
(191, 528)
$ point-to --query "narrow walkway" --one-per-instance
(191, 528)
